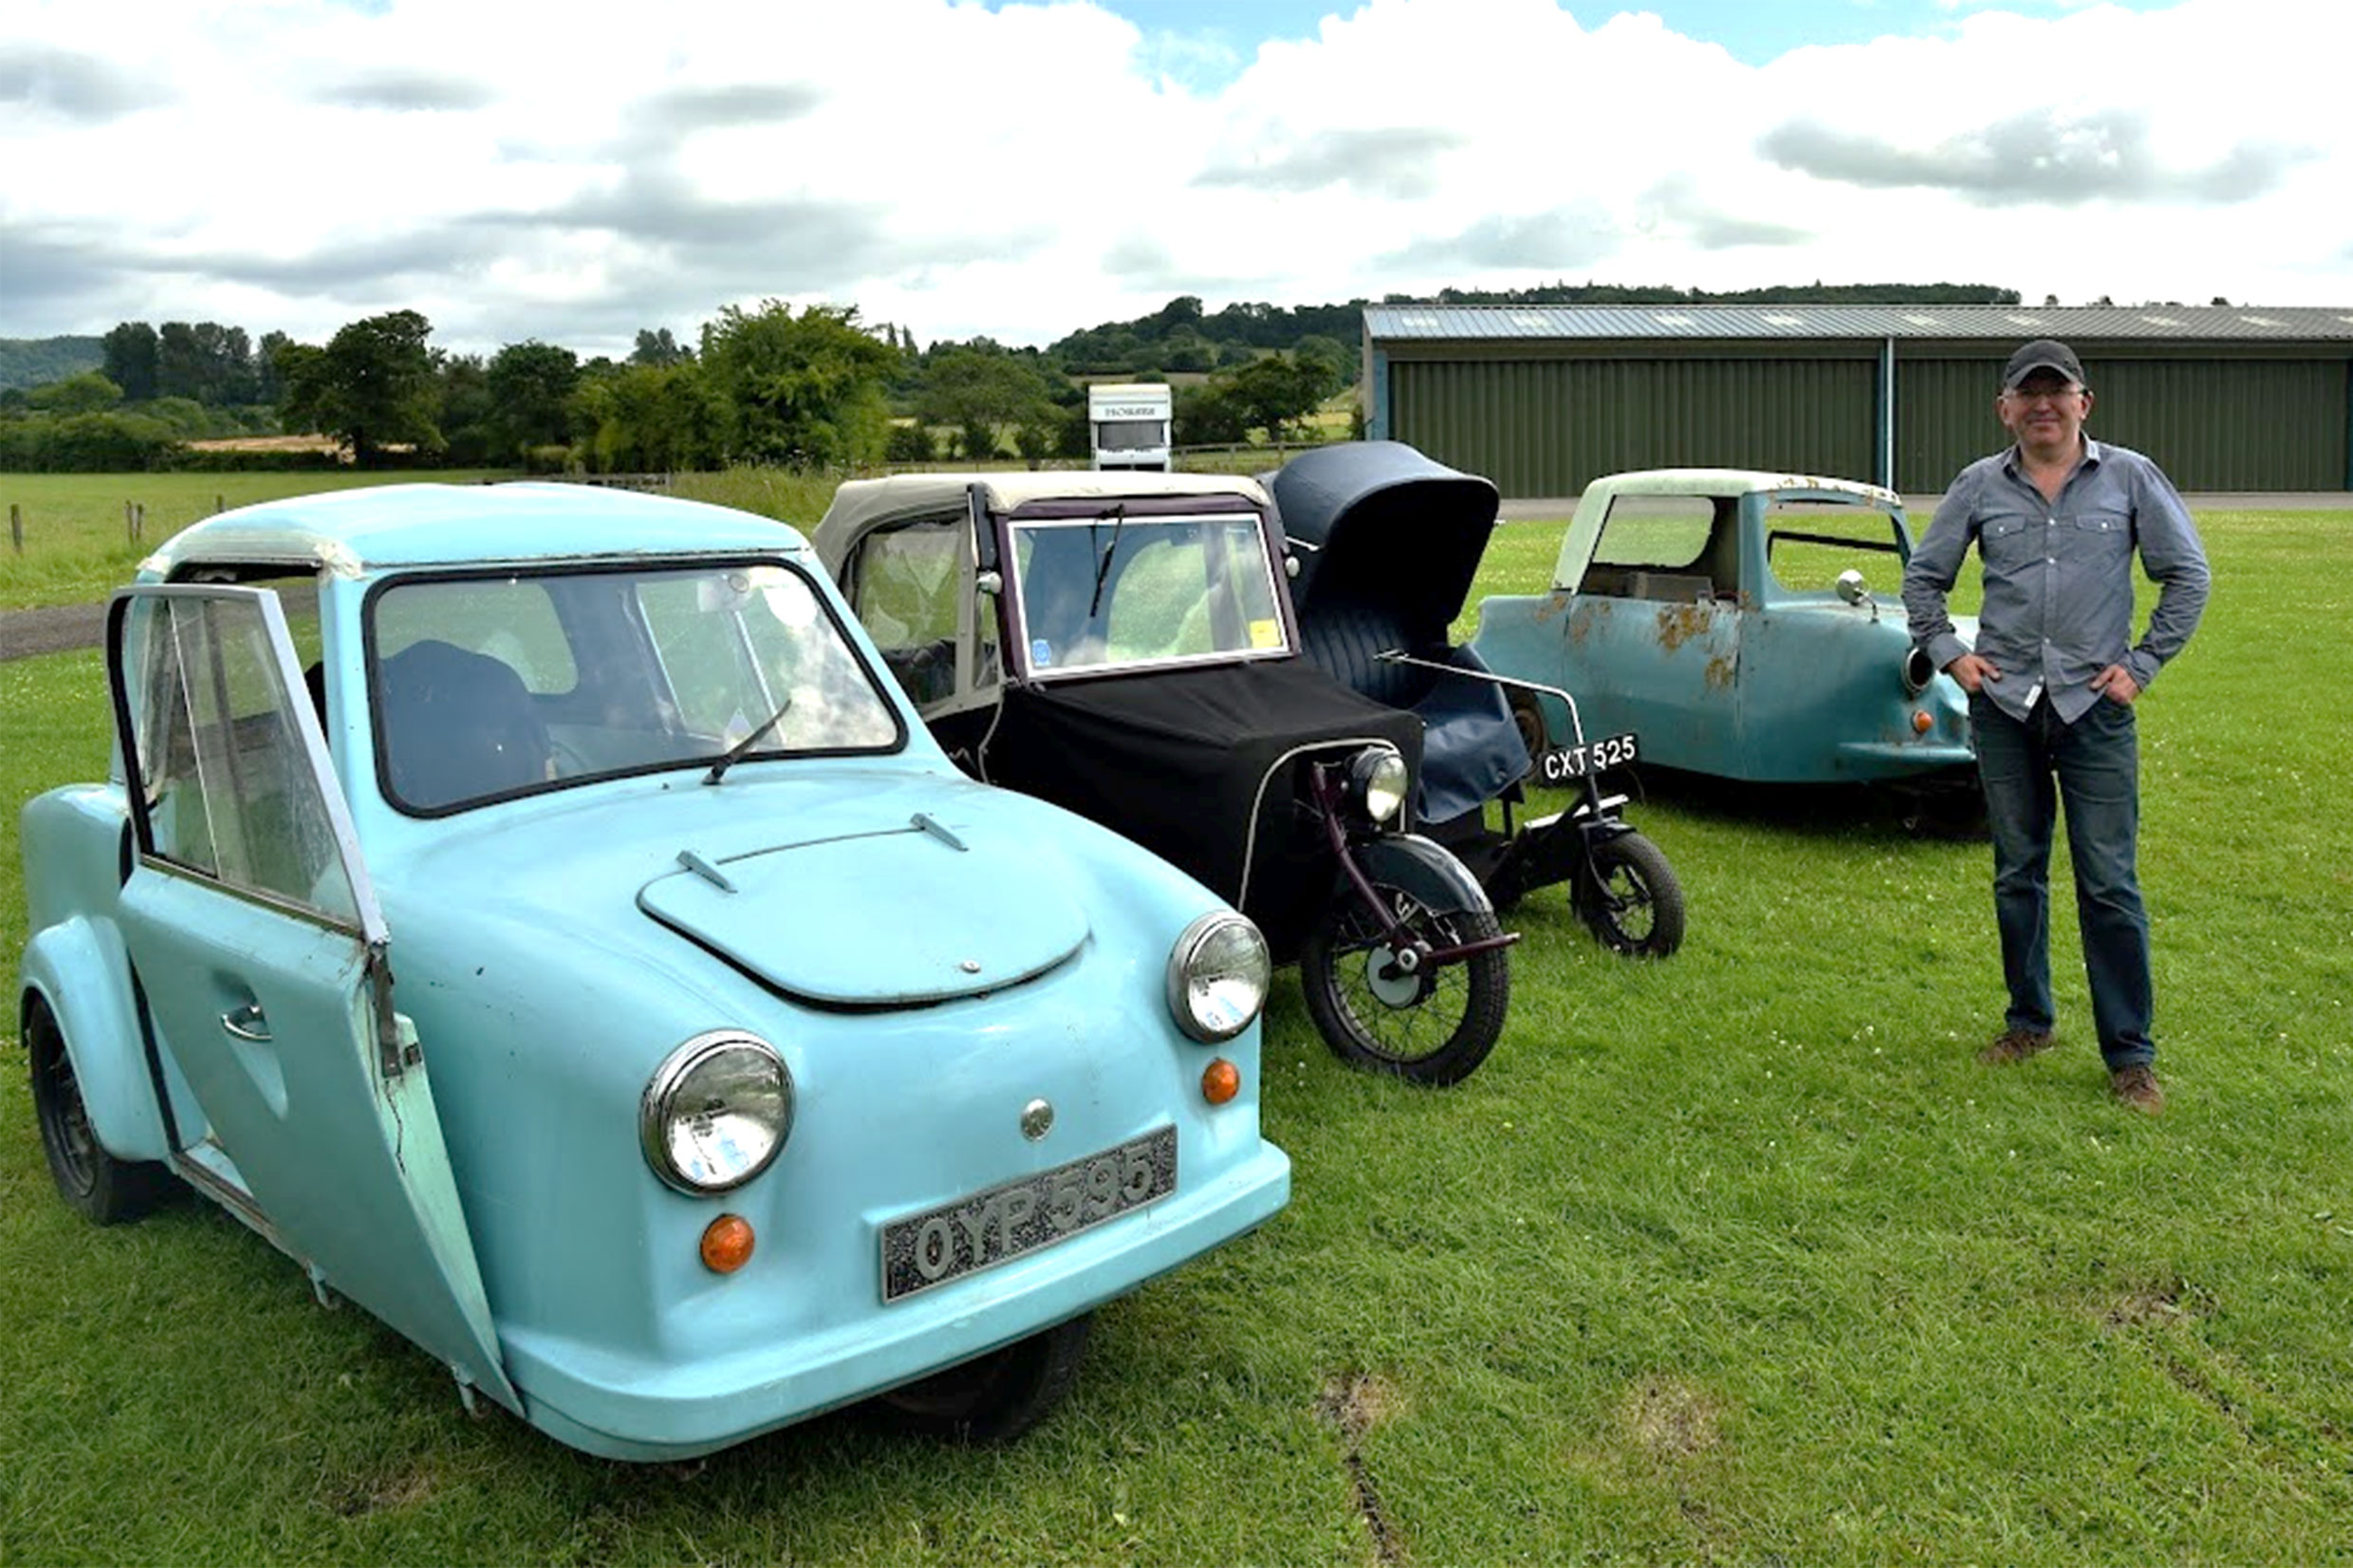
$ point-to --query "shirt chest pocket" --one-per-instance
(2008, 543)
(2095, 536)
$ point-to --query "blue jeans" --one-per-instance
(2092, 767)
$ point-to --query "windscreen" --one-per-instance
(487, 687)
(1114, 591)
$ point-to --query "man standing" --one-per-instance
(2051, 682)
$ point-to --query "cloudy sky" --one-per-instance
(574, 174)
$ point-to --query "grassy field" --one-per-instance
(1738, 1258)
(77, 546)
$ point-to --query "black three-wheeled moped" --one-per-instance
(1386, 543)
(1125, 645)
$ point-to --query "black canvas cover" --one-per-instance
(1378, 523)
(1176, 760)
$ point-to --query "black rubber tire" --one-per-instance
(1528, 718)
(1628, 894)
(1444, 1031)
(94, 1182)
(997, 1397)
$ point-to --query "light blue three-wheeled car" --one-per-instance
(590, 967)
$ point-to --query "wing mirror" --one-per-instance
(989, 582)
(1850, 588)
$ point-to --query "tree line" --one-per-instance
(814, 387)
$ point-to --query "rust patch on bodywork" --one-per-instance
(1720, 672)
(1679, 623)
(1554, 604)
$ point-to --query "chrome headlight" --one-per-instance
(1378, 781)
(716, 1112)
(1919, 669)
(1217, 976)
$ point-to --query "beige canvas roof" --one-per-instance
(861, 504)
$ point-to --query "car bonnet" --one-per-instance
(904, 914)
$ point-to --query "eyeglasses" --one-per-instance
(2042, 394)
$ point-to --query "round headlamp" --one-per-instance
(716, 1112)
(1378, 781)
(1217, 976)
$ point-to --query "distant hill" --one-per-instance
(37, 361)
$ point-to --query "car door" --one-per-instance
(256, 937)
(1654, 630)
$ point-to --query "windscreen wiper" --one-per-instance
(735, 753)
(1102, 568)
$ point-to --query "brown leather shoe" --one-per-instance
(2137, 1087)
(2016, 1045)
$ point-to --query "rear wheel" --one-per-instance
(1629, 896)
(97, 1185)
(1432, 1025)
(997, 1397)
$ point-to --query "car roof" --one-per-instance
(385, 525)
(861, 504)
(1735, 482)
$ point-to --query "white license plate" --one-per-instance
(1019, 1217)
(1563, 763)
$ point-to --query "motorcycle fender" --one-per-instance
(80, 971)
(1424, 868)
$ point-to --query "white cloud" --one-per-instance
(515, 172)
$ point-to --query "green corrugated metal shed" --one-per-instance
(1543, 399)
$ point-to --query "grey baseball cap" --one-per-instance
(2042, 354)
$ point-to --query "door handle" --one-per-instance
(246, 1023)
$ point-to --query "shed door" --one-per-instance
(255, 934)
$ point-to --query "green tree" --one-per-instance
(979, 388)
(1332, 361)
(88, 393)
(806, 389)
(652, 419)
(372, 386)
(1272, 391)
(659, 348)
(131, 360)
(532, 385)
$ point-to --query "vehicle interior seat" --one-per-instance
(457, 726)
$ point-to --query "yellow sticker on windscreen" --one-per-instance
(1266, 633)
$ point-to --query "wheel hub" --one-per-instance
(1391, 975)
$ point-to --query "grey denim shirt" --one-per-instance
(2058, 578)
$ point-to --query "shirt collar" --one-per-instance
(2090, 460)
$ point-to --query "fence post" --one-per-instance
(220, 504)
(16, 527)
(130, 525)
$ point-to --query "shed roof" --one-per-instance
(1994, 323)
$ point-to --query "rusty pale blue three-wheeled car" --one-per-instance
(591, 966)
(1728, 615)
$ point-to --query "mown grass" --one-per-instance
(77, 546)
(1737, 1258)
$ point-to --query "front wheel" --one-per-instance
(997, 1397)
(1433, 1026)
(97, 1186)
(1628, 894)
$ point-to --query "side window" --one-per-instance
(1809, 543)
(229, 788)
(904, 584)
(1680, 549)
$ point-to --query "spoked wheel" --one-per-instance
(1432, 1025)
(1629, 897)
(97, 1186)
(997, 1397)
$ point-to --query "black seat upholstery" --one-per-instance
(457, 726)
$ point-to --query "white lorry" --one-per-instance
(1128, 424)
